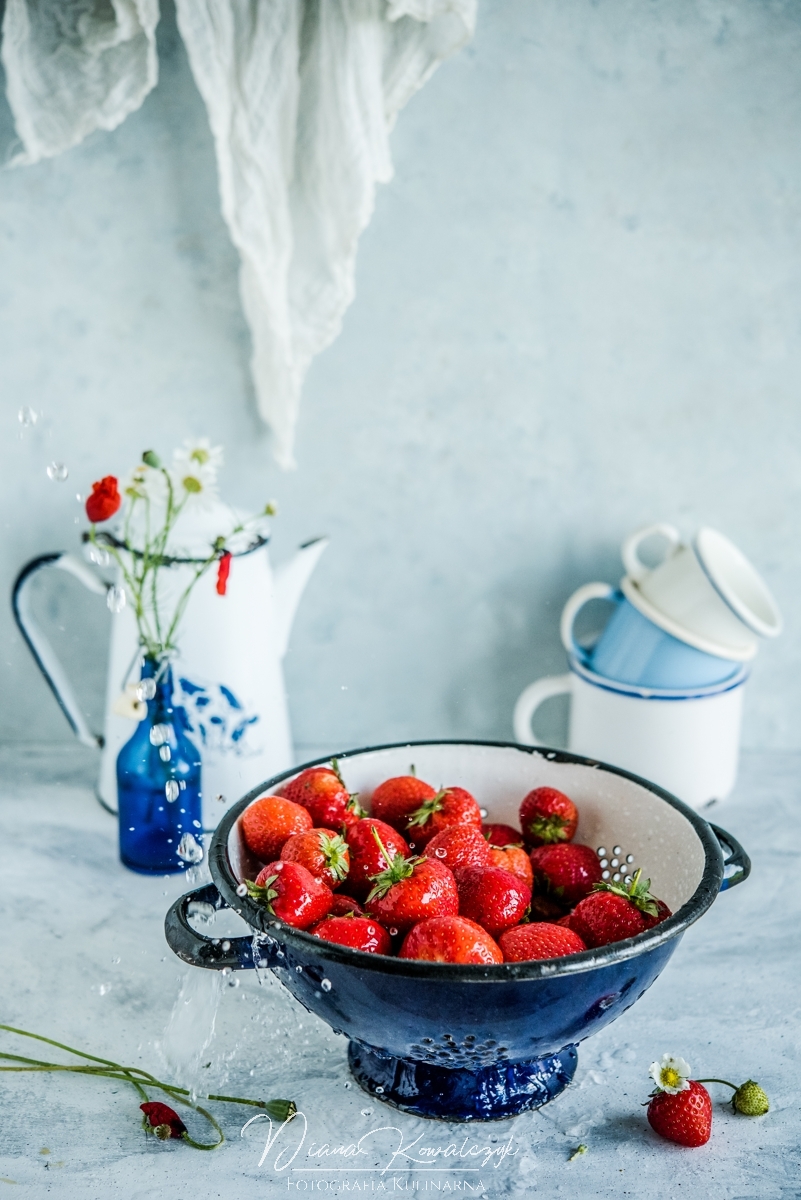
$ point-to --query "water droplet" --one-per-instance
(226, 971)
(441, 852)
(325, 984)
(298, 969)
(629, 858)
(484, 813)
(196, 824)
(604, 874)
(116, 598)
(159, 734)
(202, 910)
(226, 945)
(220, 799)
(346, 1083)
(617, 850)
(188, 848)
(393, 932)
(165, 754)
(98, 555)
(57, 471)
(602, 852)
(116, 960)
(27, 417)
(242, 890)
(367, 1112)
(379, 1091)
(146, 689)
(233, 982)
(171, 790)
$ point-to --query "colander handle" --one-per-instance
(736, 863)
(216, 954)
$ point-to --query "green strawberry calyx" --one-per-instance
(548, 829)
(398, 867)
(335, 852)
(427, 809)
(265, 893)
(636, 892)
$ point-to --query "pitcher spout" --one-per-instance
(288, 583)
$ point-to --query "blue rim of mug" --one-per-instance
(649, 693)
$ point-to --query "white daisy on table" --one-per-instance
(671, 1074)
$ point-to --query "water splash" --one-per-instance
(58, 472)
(190, 1029)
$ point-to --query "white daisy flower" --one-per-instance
(671, 1075)
(194, 469)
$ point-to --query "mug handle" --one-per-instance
(530, 700)
(736, 863)
(590, 591)
(635, 567)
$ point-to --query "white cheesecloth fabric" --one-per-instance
(301, 97)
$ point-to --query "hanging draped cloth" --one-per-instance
(301, 97)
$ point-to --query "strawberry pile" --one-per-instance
(421, 876)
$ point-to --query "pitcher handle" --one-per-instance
(636, 569)
(529, 701)
(590, 591)
(39, 646)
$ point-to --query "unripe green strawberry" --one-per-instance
(750, 1099)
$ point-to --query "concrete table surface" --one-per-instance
(85, 962)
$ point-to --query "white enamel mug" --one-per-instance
(686, 742)
(706, 594)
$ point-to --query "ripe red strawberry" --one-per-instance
(461, 846)
(269, 822)
(343, 905)
(322, 791)
(449, 806)
(511, 858)
(684, 1117)
(360, 933)
(451, 940)
(366, 856)
(565, 872)
(493, 897)
(547, 815)
(320, 851)
(541, 940)
(502, 835)
(395, 799)
(291, 893)
(614, 911)
(411, 890)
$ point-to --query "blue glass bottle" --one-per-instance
(158, 785)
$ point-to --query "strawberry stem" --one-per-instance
(397, 868)
(636, 892)
(427, 809)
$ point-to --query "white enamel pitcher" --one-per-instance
(228, 668)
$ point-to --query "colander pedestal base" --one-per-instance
(503, 1089)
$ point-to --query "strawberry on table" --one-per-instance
(462, 846)
(291, 893)
(547, 815)
(565, 871)
(542, 940)
(367, 855)
(395, 799)
(359, 933)
(447, 807)
(614, 911)
(450, 940)
(320, 851)
(271, 821)
(502, 835)
(511, 858)
(680, 1108)
(322, 791)
(410, 890)
(492, 897)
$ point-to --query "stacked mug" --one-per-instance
(660, 691)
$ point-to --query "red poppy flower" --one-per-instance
(104, 501)
(162, 1120)
(223, 571)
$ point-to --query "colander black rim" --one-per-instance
(587, 960)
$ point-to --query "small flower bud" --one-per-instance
(151, 459)
(163, 1132)
(750, 1099)
(281, 1110)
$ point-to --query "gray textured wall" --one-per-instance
(578, 310)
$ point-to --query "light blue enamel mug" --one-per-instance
(631, 649)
